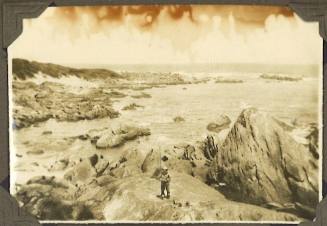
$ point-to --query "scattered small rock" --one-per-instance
(131, 107)
(37, 152)
(94, 159)
(230, 81)
(164, 158)
(83, 137)
(142, 95)
(179, 119)
(116, 94)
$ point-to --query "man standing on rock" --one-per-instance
(165, 181)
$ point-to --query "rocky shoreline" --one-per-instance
(92, 186)
(264, 169)
(261, 163)
(35, 103)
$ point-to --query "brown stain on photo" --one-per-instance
(148, 15)
(185, 22)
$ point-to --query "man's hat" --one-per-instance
(164, 168)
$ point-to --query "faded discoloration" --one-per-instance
(149, 14)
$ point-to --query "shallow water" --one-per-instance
(198, 104)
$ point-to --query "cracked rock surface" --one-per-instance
(260, 163)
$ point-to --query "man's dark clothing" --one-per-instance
(165, 181)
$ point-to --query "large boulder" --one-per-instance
(260, 162)
(156, 159)
(128, 165)
(111, 139)
(152, 162)
(221, 123)
(47, 199)
(81, 172)
(135, 198)
(189, 161)
(179, 119)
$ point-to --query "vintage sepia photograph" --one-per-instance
(167, 113)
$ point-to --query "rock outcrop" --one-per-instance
(135, 198)
(260, 162)
(186, 159)
(38, 103)
(221, 123)
(189, 153)
(141, 95)
(24, 69)
(210, 149)
(111, 139)
(132, 107)
(46, 198)
(280, 77)
(179, 119)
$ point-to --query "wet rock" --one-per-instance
(131, 107)
(222, 122)
(260, 162)
(142, 95)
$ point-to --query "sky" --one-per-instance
(169, 34)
